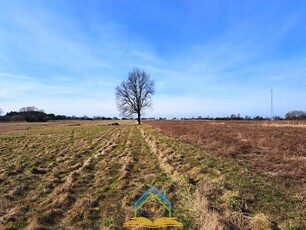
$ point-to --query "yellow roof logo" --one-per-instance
(140, 221)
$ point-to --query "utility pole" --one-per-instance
(272, 108)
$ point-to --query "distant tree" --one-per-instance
(12, 113)
(296, 115)
(135, 95)
(28, 109)
(277, 118)
(247, 117)
(17, 118)
(1, 111)
(51, 115)
(258, 118)
(4, 118)
(60, 117)
(233, 116)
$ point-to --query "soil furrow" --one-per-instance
(65, 195)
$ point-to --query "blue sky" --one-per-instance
(208, 58)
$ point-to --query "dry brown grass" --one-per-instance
(68, 176)
(6, 127)
(204, 218)
(260, 222)
(180, 161)
(278, 148)
(234, 192)
(86, 175)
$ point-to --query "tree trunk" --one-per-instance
(138, 118)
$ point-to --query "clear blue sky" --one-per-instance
(208, 58)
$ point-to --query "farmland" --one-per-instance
(276, 148)
(87, 175)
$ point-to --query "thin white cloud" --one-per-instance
(15, 76)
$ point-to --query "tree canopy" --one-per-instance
(134, 95)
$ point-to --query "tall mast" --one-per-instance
(272, 109)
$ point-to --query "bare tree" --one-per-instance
(296, 115)
(135, 95)
(1, 111)
(28, 109)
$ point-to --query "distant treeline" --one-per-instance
(33, 114)
(292, 115)
(225, 118)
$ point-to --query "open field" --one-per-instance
(275, 148)
(87, 175)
